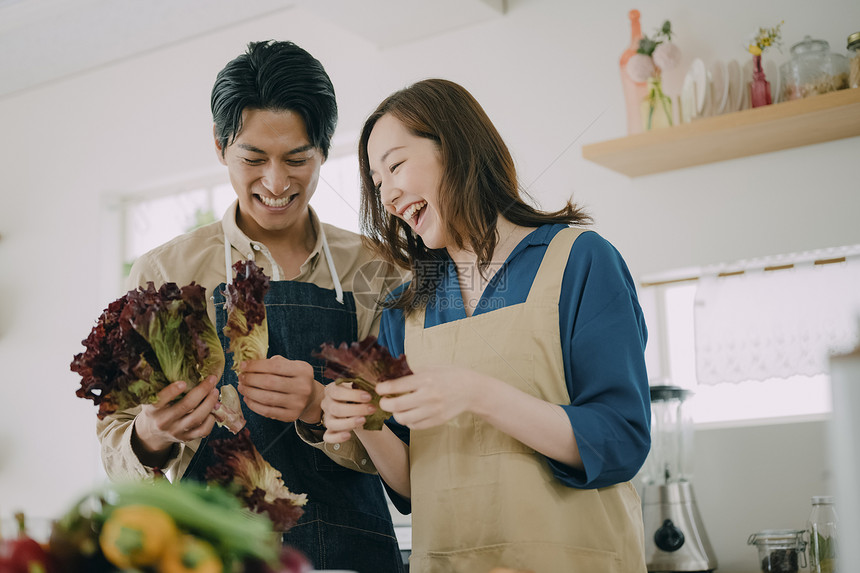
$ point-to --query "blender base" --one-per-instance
(675, 538)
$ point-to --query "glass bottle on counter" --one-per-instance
(854, 60)
(823, 541)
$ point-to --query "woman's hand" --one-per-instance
(431, 397)
(281, 389)
(345, 409)
(168, 421)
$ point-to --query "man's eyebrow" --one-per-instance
(251, 148)
(255, 149)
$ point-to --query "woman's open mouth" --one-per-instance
(411, 213)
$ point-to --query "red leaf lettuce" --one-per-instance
(246, 326)
(145, 340)
(242, 469)
(364, 364)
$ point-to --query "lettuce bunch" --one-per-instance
(364, 364)
(147, 339)
(247, 328)
(241, 469)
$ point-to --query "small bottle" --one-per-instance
(854, 60)
(823, 540)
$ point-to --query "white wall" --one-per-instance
(544, 71)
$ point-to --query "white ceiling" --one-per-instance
(46, 40)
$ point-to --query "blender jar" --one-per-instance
(813, 69)
(780, 550)
(671, 437)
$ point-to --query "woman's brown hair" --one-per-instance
(479, 183)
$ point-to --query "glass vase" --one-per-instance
(656, 107)
(759, 86)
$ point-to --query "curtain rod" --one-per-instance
(768, 268)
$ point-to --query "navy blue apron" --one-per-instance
(346, 524)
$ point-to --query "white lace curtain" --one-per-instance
(778, 317)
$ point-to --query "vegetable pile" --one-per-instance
(147, 339)
(241, 469)
(364, 364)
(246, 326)
(166, 528)
(23, 554)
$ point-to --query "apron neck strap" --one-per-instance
(548, 278)
(228, 260)
(338, 289)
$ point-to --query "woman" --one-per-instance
(528, 410)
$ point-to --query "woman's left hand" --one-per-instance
(431, 397)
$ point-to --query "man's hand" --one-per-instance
(281, 389)
(158, 426)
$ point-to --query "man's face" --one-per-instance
(274, 170)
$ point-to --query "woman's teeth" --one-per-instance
(412, 209)
(282, 202)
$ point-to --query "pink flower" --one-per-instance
(666, 56)
(640, 67)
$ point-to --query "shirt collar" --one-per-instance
(245, 245)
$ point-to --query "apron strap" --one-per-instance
(414, 327)
(548, 278)
(228, 259)
(338, 289)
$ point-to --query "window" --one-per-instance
(786, 317)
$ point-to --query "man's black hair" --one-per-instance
(275, 76)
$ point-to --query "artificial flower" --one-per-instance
(666, 56)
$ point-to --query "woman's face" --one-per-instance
(406, 172)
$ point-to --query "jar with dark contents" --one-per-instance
(780, 550)
(854, 60)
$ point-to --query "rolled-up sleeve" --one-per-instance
(119, 459)
(603, 344)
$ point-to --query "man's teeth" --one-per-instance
(282, 202)
(412, 209)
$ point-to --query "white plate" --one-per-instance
(687, 100)
(719, 76)
(736, 89)
(700, 81)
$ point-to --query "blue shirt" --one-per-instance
(603, 337)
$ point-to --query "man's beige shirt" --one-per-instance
(199, 256)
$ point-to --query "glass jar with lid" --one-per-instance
(823, 541)
(854, 60)
(780, 550)
(813, 69)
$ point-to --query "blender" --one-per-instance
(675, 538)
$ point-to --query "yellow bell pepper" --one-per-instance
(136, 535)
(190, 554)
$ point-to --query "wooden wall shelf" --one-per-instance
(775, 127)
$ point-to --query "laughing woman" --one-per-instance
(529, 409)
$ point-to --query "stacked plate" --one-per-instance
(722, 87)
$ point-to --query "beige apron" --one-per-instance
(481, 499)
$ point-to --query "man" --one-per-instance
(274, 112)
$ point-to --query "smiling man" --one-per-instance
(274, 112)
